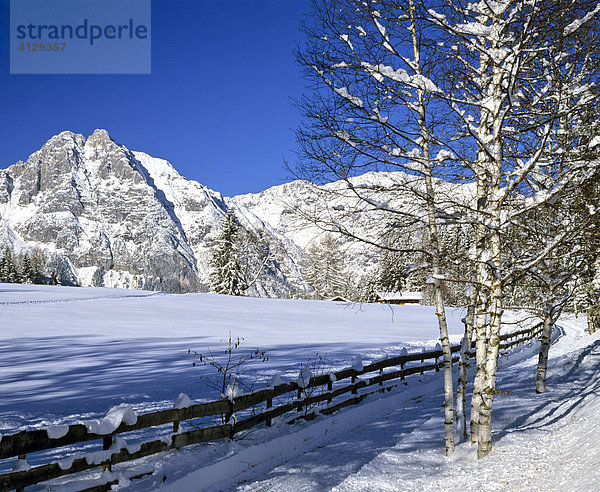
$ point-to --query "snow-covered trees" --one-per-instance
(38, 264)
(490, 94)
(27, 275)
(226, 276)
(324, 269)
(239, 258)
(8, 269)
(371, 111)
(510, 110)
(389, 275)
(593, 311)
(573, 218)
(23, 268)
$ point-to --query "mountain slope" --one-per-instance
(106, 216)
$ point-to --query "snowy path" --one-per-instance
(22, 294)
(542, 442)
(347, 448)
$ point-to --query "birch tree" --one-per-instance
(463, 366)
(573, 218)
(505, 99)
(369, 111)
(451, 91)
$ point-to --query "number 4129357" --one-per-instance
(42, 46)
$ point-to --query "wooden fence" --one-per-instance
(258, 407)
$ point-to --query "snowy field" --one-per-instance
(69, 354)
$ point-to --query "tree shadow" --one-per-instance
(566, 392)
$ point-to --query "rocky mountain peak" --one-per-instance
(66, 139)
(99, 135)
(107, 216)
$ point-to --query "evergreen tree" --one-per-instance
(391, 275)
(368, 288)
(8, 271)
(54, 278)
(3, 267)
(226, 275)
(324, 269)
(26, 273)
(38, 265)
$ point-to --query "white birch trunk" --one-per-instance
(448, 384)
(463, 370)
(491, 367)
(493, 344)
(542, 367)
(491, 253)
(481, 274)
(480, 314)
(434, 246)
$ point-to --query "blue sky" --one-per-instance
(217, 104)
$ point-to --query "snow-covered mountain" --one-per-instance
(106, 216)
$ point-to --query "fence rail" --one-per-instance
(114, 452)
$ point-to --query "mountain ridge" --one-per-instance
(108, 216)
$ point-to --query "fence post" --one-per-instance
(381, 374)
(106, 444)
(22, 457)
(228, 416)
(329, 389)
(269, 405)
(353, 382)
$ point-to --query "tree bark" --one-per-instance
(592, 319)
(480, 314)
(481, 274)
(447, 354)
(542, 367)
(434, 247)
(463, 370)
(491, 367)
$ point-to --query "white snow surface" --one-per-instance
(75, 351)
(112, 420)
(545, 442)
(232, 391)
(70, 354)
(57, 431)
(304, 376)
(357, 363)
(182, 401)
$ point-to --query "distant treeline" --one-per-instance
(26, 268)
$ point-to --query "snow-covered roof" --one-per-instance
(400, 296)
(338, 299)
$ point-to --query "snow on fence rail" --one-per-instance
(116, 450)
